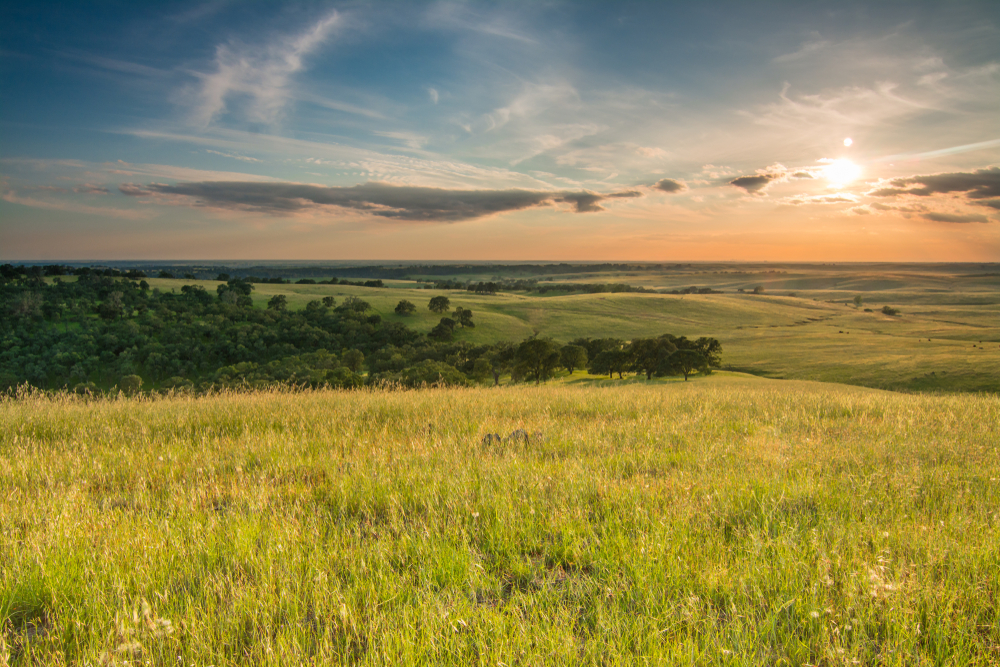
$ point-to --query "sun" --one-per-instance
(841, 172)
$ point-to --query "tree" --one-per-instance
(329, 301)
(686, 361)
(573, 357)
(444, 330)
(759, 289)
(646, 355)
(439, 304)
(501, 360)
(278, 302)
(354, 360)
(130, 384)
(889, 310)
(614, 360)
(711, 349)
(356, 304)
(858, 300)
(404, 307)
(537, 357)
(464, 317)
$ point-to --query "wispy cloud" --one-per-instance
(90, 189)
(956, 217)
(463, 16)
(262, 74)
(74, 207)
(243, 158)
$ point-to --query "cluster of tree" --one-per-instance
(11, 272)
(99, 333)
(534, 285)
(694, 290)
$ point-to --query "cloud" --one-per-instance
(669, 185)
(90, 189)
(74, 207)
(755, 184)
(979, 184)
(409, 203)
(409, 139)
(433, 95)
(260, 73)
(587, 202)
(955, 217)
(823, 199)
(244, 158)
(992, 203)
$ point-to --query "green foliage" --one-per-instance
(444, 331)
(537, 358)
(464, 317)
(405, 307)
(439, 304)
(278, 302)
(130, 384)
(573, 357)
(890, 311)
(354, 360)
(648, 355)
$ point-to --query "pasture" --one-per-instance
(729, 520)
(805, 325)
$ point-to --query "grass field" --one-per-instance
(947, 336)
(728, 520)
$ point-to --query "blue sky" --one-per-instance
(585, 130)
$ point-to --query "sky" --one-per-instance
(645, 131)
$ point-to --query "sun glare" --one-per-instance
(840, 172)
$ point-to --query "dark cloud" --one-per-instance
(87, 188)
(992, 203)
(802, 174)
(134, 190)
(378, 199)
(670, 185)
(754, 184)
(954, 217)
(979, 184)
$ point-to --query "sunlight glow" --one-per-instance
(840, 172)
(848, 141)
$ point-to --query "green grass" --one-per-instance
(774, 335)
(728, 520)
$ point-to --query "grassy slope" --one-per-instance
(728, 520)
(774, 334)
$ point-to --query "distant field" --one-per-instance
(817, 334)
(728, 520)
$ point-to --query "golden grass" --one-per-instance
(728, 520)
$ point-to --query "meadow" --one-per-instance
(805, 325)
(729, 520)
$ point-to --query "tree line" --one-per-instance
(103, 332)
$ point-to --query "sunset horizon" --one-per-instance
(464, 132)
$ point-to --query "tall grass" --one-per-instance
(723, 521)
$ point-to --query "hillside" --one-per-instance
(726, 520)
